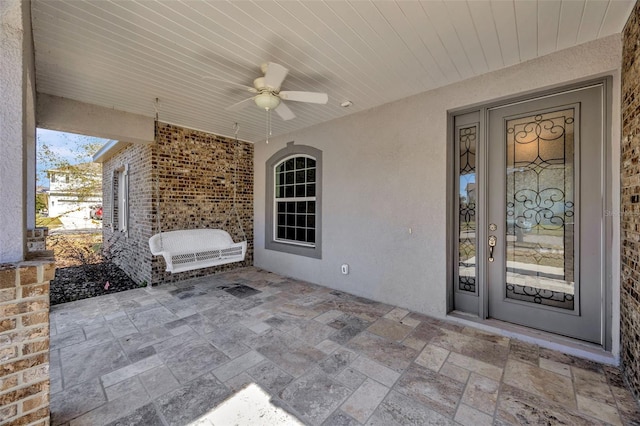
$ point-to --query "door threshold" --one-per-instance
(579, 348)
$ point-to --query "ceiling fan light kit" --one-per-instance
(267, 100)
(269, 96)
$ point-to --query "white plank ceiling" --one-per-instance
(123, 54)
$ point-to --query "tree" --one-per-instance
(70, 156)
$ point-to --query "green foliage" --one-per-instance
(41, 202)
(78, 166)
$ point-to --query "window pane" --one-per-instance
(289, 178)
(311, 236)
(281, 219)
(311, 163)
(311, 221)
(291, 233)
(288, 165)
(311, 207)
(300, 162)
(280, 168)
(301, 220)
(279, 192)
(288, 191)
(311, 175)
(291, 219)
(291, 207)
(282, 207)
(300, 190)
(281, 232)
(279, 178)
(300, 175)
(311, 190)
(301, 207)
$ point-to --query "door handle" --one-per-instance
(492, 243)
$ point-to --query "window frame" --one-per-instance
(120, 200)
(293, 199)
(288, 246)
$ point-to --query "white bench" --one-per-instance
(191, 249)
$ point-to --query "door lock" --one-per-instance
(492, 243)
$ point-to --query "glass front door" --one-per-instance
(538, 250)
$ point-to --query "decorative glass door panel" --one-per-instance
(467, 132)
(540, 209)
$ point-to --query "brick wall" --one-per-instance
(189, 177)
(24, 342)
(630, 203)
(37, 239)
(133, 254)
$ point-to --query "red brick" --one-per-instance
(7, 295)
(7, 324)
(22, 393)
(35, 290)
(33, 319)
(630, 214)
(28, 275)
(8, 353)
(7, 277)
(49, 272)
(27, 334)
(36, 374)
(8, 412)
(7, 383)
(35, 402)
(34, 347)
(23, 364)
(32, 417)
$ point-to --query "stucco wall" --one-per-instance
(385, 171)
(17, 126)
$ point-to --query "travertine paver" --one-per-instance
(171, 354)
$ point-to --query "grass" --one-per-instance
(49, 222)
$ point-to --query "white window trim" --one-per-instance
(120, 200)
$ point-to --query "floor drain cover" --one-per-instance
(241, 291)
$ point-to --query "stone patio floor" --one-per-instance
(170, 355)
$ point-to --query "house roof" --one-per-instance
(123, 55)
(84, 168)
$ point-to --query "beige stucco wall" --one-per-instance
(17, 128)
(385, 171)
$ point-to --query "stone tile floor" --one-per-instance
(171, 355)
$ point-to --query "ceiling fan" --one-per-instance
(269, 96)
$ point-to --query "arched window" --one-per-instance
(293, 201)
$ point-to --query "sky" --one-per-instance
(63, 147)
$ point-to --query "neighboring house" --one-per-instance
(74, 188)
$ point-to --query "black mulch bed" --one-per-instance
(82, 282)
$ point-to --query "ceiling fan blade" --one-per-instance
(248, 88)
(274, 76)
(312, 97)
(284, 112)
(239, 105)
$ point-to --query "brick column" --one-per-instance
(24, 342)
